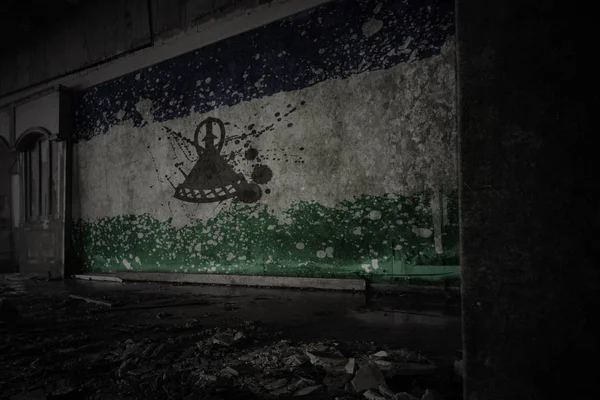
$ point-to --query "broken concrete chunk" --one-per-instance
(92, 301)
(404, 396)
(149, 350)
(223, 339)
(384, 365)
(163, 315)
(384, 390)
(228, 371)
(330, 359)
(158, 351)
(374, 395)
(202, 376)
(368, 377)
(307, 390)
(277, 384)
(124, 367)
(295, 360)
(406, 355)
(295, 385)
(227, 339)
(381, 354)
(350, 366)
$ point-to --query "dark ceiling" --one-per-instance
(21, 19)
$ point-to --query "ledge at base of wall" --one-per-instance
(358, 285)
(448, 291)
(99, 277)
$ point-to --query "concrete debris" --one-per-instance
(228, 371)
(407, 356)
(428, 395)
(307, 390)
(92, 301)
(404, 396)
(295, 360)
(277, 384)
(384, 390)
(384, 365)
(327, 357)
(163, 315)
(368, 377)
(227, 338)
(374, 395)
(202, 376)
(350, 366)
(180, 358)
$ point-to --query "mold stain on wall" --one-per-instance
(314, 146)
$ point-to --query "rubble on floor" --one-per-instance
(95, 356)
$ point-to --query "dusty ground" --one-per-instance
(199, 342)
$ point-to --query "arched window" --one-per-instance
(36, 158)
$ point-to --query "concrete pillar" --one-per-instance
(529, 200)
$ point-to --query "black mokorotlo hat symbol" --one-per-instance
(212, 179)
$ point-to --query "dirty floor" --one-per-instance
(151, 341)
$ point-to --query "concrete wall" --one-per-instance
(336, 155)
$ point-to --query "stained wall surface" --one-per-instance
(323, 144)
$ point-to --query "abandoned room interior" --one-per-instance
(324, 199)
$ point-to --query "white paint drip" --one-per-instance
(375, 263)
(300, 246)
(127, 264)
(357, 231)
(321, 254)
(436, 212)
